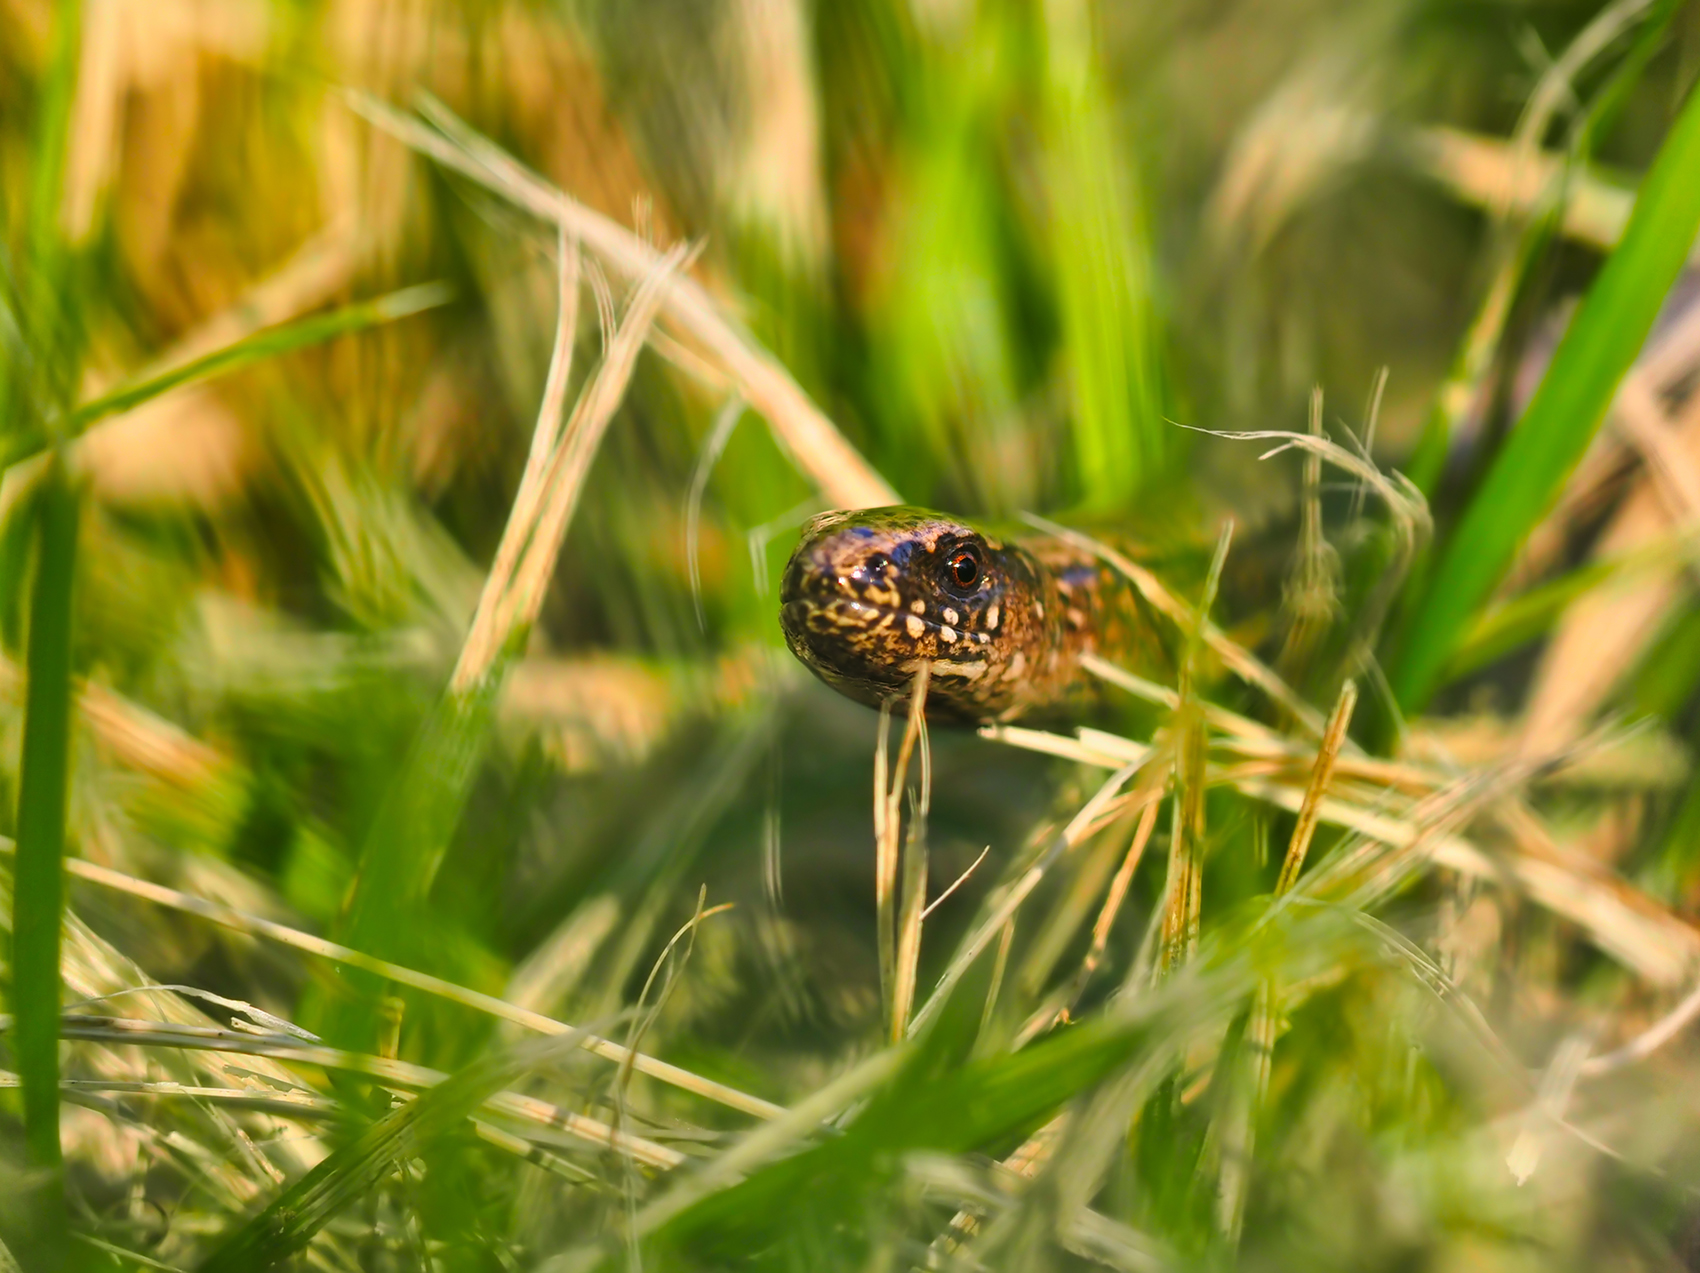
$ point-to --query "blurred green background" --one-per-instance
(270, 373)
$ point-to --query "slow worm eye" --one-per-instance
(965, 569)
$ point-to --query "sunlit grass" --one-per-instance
(408, 408)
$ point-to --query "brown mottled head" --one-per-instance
(870, 593)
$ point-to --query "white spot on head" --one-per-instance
(918, 606)
(1038, 609)
(950, 616)
(992, 617)
(982, 637)
(1016, 667)
(915, 626)
(947, 633)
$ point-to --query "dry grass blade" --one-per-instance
(1626, 923)
(1661, 447)
(291, 1220)
(1557, 84)
(762, 1145)
(296, 1106)
(312, 276)
(1671, 354)
(1488, 172)
(1310, 599)
(556, 468)
(406, 844)
(1088, 1234)
(649, 1012)
(1603, 635)
(645, 1015)
(484, 639)
(1077, 749)
(1116, 895)
(885, 863)
(1309, 811)
(896, 908)
(1403, 501)
(1183, 897)
(843, 476)
(1056, 1011)
(957, 883)
(564, 479)
(1009, 900)
(1139, 687)
(1181, 889)
(1024, 1163)
(286, 1104)
(1244, 664)
(1548, 1110)
(253, 925)
(725, 421)
(1522, 164)
(401, 1075)
(1240, 1122)
(1623, 921)
(1649, 1041)
(92, 969)
(912, 905)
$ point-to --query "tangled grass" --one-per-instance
(371, 906)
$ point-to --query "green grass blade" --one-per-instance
(417, 820)
(52, 125)
(943, 1104)
(1463, 386)
(48, 310)
(1102, 261)
(1601, 343)
(1669, 674)
(291, 1220)
(38, 894)
(282, 339)
(1497, 632)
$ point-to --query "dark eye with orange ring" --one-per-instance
(964, 569)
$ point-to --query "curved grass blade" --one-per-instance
(939, 1104)
(1497, 632)
(422, 808)
(1601, 343)
(292, 1219)
(1546, 215)
(281, 339)
(38, 893)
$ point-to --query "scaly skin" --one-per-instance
(871, 593)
